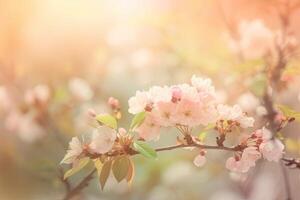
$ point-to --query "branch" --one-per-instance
(84, 183)
(292, 163)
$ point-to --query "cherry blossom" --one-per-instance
(242, 163)
(200, 159)
(74, 151)
(38, 94)
(252, 35)
(234, 113)
(103, 139)
(149, 130)
(183, 104)
(272, 150)
(139, 102)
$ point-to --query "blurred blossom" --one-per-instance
(248, 102)
(142, 58)
(29, 131)
(177, 173)
(40, 94)
(239, 177)
(81, 89)
(199, 160)
(12, 121)
(261, 111)
(5, 100)
(24, 126)
(254, 40)
(103, 139)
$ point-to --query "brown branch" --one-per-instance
(84, 183)
(292, 163)
(64, 181)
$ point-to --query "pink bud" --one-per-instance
(176, 94)
(113, 103)
(91, 113)
(122, 131)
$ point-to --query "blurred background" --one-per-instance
(59, 58)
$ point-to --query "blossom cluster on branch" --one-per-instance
(185, 107)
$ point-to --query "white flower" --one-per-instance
(138, 102)
(160, 94)
(74, 151)
(256, 40)
(272, 150)
(248, 102)
(103, 139)
(149, 129)
(200, 160)
(40, 93)
(204, 87)
(188, 92)
(81, 89)
(234, 113)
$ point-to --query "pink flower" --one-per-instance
(113, 102)
(74, 151)
(272, 150)
(247, 160)
(149, 129)
(160, 94)
(188, 113)
(236, 165)
(188, 92)
(40, 93)
(204, 87)
(250, 155)
(139, 102)
(234, 113)
(200, 160)
(254, 41)
(164, 113)
(122, 131)
(103, 139)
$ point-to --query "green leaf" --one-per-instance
(105, 173)
(289, 112)
(202, 136)
(120, 167)
(131, 172)
(107, 120)
(80, 165)
(145, 149)
(98, 165)
(137, 120)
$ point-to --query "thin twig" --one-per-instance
(84, 183)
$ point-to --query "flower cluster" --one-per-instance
(185, 107)
(253, 35)
(103, 140)
(254, 146)
(177, 105)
